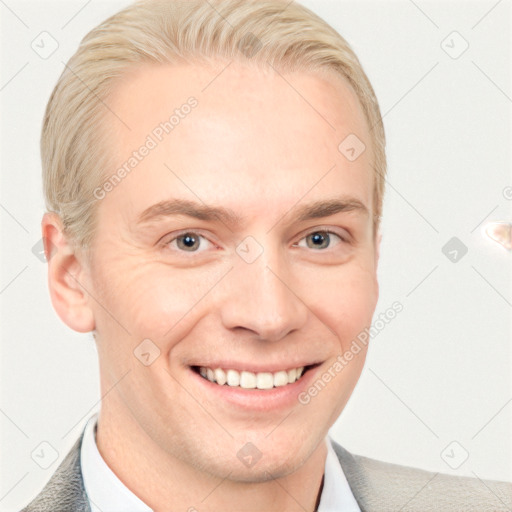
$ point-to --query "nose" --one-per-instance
(260, 297)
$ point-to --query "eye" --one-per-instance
(321, 239)
(188, 242)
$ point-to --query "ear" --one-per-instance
(66, 273)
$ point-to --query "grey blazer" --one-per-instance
(377, 486)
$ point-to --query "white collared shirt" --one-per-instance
(107, 493)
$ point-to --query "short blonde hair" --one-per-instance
(288, 36)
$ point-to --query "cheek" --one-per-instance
(345, 302)
(151, 299)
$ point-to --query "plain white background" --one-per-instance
(436, 387)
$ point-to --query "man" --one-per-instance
(214, 175)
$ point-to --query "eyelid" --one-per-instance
(167, 239)
(344, 235)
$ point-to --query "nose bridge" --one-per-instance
(260, 298)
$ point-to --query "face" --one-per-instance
(242, 241)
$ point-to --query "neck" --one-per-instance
(167, 483)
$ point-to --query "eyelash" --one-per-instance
(343, 239)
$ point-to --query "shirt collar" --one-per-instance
(336, 493)
(107, 493)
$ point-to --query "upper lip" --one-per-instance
(253, 367)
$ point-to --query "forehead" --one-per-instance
(259, 132)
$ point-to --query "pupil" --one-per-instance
(320, 240)
(189, 241)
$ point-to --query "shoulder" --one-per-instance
(65, 490)
(385, 487)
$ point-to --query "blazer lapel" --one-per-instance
(65, 491)
(355, 477)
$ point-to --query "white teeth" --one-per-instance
(250, 380)
(292, 375)
(220, 376)
(280, 379)
(233, 378)
(264, 381)
(247, 380)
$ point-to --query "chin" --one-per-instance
(267, 468)
(264, 457)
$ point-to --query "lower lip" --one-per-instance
(261, 400)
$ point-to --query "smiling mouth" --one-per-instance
(251, 380)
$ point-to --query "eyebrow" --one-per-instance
(330, 207)
(190, 209)
(315, 210)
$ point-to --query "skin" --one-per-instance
(255, 146)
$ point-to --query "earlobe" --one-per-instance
(66, 273)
